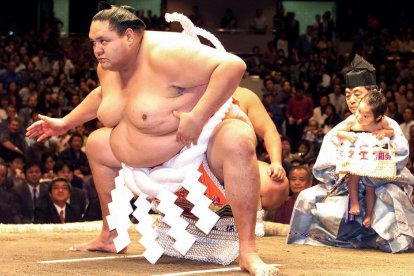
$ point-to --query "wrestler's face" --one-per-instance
(354, 96)
(364, 114)
(109, 48)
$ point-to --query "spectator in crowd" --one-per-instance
(9, 208)
(25, 113)
(77, 196)
(306, 43)
(229, 20)
(12, 141)
(48, 161)
(331, 118)
(300, 178)
(408, 117)
(259, 24)
(55, 208)
(393, 113)
(319, 114)
(75, 156)
(196, 17)
(255, 62)
(299, 110)
(31, 192)
(337, 98)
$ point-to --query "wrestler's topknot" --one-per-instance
(103, 5)
(120, 18)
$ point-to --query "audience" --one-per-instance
(55, 209)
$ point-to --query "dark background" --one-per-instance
(23, 15)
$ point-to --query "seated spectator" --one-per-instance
(75, 156)
(337, 98)
(31, 192)
(36, 150)
(300, 178)
(25, 113)
(56, 209)
(319, 112)
(48, 161)
(77, 198)
(332, 119)
(12, 141)
(9, 208)
(255, 63)
(408, 117)
(15, 171)
(393, 113)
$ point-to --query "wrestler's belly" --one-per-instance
(137, 149)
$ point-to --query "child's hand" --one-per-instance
(379, 134)
(351, 137)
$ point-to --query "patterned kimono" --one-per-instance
(320, 215)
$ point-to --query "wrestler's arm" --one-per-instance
(264, 128)
(190, 64)
(86, 110)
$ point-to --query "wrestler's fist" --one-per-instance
(189, 128)
(276, 171)
(46, 127)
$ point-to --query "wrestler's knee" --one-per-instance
(237, 138)
(98, 142)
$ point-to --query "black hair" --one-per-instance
(377, 102)
(75, 134)
(29, 165)
(57, 179)
(59, 165)
(120, 18)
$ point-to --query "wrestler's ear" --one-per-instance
(129, 34)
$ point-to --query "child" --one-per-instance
(368, 118)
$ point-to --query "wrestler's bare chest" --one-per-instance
(146, 106)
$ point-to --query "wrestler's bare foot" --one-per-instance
(101, 243)
(367, 221)
(354, 209)
(253, 264)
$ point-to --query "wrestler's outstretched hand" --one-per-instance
(276, 171)
(189, 129)
(46, 127)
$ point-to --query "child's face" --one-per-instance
(364, 114)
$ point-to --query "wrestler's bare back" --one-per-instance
(141, 111)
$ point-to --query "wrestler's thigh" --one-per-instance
(230, 136)
(98, 148)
